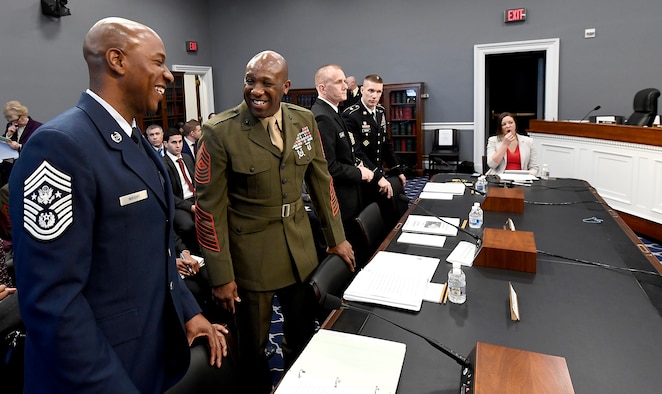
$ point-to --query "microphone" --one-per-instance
(330, 301)
(597, 107)
(405, 198)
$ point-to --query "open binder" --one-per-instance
(337, 362)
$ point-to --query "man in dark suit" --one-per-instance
(103, 304)
(192, 132)
(367, 120)
(353, 94)
(348, 166)
(252, 226)
(181, 170)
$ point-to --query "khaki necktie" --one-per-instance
(275, 133)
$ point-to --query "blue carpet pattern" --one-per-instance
(412, 189)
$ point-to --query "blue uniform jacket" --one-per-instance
(100, 295)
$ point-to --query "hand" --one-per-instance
(199, 326)
(366, 174)
(226, 295)
(345, 251)
(11, 130)
(182, 267)
(403, 179)
(5, 291)
(509, 137)
(385, 187)
(14, 145)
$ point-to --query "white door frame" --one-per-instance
(551, 48)
(206, 86)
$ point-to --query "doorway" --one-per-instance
(515, 83)
(199, 87)
(547, 53)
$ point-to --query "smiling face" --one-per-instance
(265, 83)
(147, 73)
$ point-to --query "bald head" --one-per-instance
(271, 60)
(119, 33)
(126, 63)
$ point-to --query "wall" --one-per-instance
(41, 60)
(432, 41)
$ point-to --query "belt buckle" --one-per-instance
(285, 210)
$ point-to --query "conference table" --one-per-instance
(582, 304)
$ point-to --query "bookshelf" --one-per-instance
(301, 97)
(404, 109)
(172, 108)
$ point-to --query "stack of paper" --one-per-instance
(393, 279)
(431, 225)
(336, 362)
(442, 191)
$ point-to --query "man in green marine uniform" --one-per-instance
(251, 223)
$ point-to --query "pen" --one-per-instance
(190, 271)
(443, 293)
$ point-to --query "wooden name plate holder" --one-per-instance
(510, 250)
(499, 369)
(504, 200)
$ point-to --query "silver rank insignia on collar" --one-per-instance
(116, 137)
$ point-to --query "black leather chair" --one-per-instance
(645, 108)
(445, 150)
(332, 276)
(372, 228)
(203, 378)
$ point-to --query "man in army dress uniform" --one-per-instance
(252, 226)
(367, 121)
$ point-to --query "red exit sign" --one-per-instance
(514, 15)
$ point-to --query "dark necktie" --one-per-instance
(136, 137)
(195, 149)
(184, 174)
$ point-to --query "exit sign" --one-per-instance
(191, 46)
(514, 15)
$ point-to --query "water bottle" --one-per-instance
(481, 184)
(544, 174)
(476, 216)
(457, 285)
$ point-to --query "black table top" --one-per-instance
(599, 319)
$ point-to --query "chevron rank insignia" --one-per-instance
(47, 203)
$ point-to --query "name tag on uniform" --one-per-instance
(133, 197)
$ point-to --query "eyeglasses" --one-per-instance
(14, 120)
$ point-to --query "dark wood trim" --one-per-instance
(644, 227)
(622, 133)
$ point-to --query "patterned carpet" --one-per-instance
(412, 189)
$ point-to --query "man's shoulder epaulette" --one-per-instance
(352, 109)
(379, 106)
(223, 116)
(294, 107)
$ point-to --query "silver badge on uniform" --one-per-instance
(116, 137)
(303, 138)
(47, 203)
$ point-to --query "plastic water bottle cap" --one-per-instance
(476, 204)
(456, 265)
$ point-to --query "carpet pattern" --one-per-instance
(412, 189)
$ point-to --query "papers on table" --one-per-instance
(393, 279)
(455, 188)
(431, 225)
(435, 196)
(517, 176)
(422, 239)
(464, 253)
(337, 362)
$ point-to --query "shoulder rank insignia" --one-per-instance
(47, 203)
(352, 108)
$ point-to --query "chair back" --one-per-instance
(645, 107)
(332, 276)
(372, 225)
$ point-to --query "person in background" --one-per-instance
(192, 133)
(254, 232)
(508, 150)
(367, 120)
(211, 115)
(20, 127)
(99, 292)
(181, 169)
(347, 164)
(353, 94)
(154, 135)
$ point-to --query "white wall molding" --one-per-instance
(206, 89)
